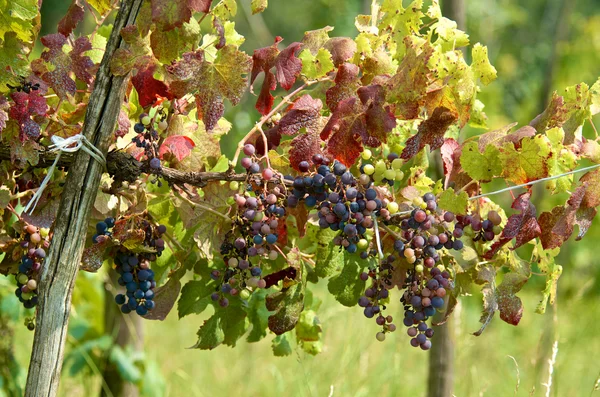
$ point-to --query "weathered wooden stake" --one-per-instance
(70, 228)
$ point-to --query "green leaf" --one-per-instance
(456, 203)
(281, 345)
(547, 264)
(13, 60)
(234, 323)
(316, 66)
(347, 286)
(481, 167)
(168, 46)
(561, 161)
(102, 6)
(17, 16)
(328, 257)
(287, 305)
(231, 36)
(195, 297)
(258, 316)
(258, 6)
(4, 197)
(309, 327)
(481, 66)
(210, 334)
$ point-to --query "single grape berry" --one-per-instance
(303, 166)
(155, 163)
(249, 149)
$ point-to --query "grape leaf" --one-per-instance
(281, 345)
(19, 17)
(303, 113)
(289, 302)
(82, 65)
(165, 297)
(456, 203)
(527, 163)
(379, 118)
(179, 146)
(102, 6)
(58, 78)
(558, 225)
(500, 136)
(168, 46)
(24, 107)
(287, 68)
(148, 88)
(210, 334)
(342, 49)
(347, 286)
(523, 227)
(313, 40)
(137, 55)
(487, 276)
(211, 82)
(169, 14)
(13, 60)
(399, 21)
(316, 66)
(72, 18)
(553, 116)
(481, 65)
(407, 88)
(309, 327)
(481, 167)
(451, 153)
(258, 316)
(195, 297)
(347, 83)
(431, 132)
(259, 6)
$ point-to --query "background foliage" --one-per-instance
(530, 57)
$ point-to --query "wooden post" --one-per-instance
(70, 228)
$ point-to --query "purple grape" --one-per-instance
(155, 163)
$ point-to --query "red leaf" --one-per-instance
(273, 140)
(346, 124)
(123, 124)
(510, 305)
(450, 151)
(431, 132)
(220, 33)
(179, 146)
(169, 14)
(303, 113)
(59, 78)
(25, 106)
(558, 225)
(200, 5)
(380, 119)
(341, 49)
(148, 88)
(83, 66)
(304, 146)
(523, 227)
(288, 66)
(346, 84)
(71, 19)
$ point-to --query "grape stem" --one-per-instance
(376, 228)
(198, 205)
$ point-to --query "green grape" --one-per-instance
(362, 244)
(378, 177)
(146, 120)
(390, 175)
(244, 294)
(397, 164)
(380, 167)
(392, 207)
(399, 175)
(366, 154)
(419, 268)
(22, 278)
(369, 169)
(234, 185)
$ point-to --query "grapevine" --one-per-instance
(335, 181)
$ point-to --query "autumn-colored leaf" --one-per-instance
(179, 146)
(24, 107)
(72, 18)
(450, 152)
(347, 83)
(58, 78)
(522, 227)
(170, 14)
(431, 132)
(303, 113)
(342, 49)
(211, 82)
(346, 124)
(149, 88)
(83, 66)
(380, 120)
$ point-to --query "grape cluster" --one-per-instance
(377, 295)
(148, 130)
(251, 163)
(484, 231)
(381, 172)
(34, 242)
(134, 268)
(424, 295)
